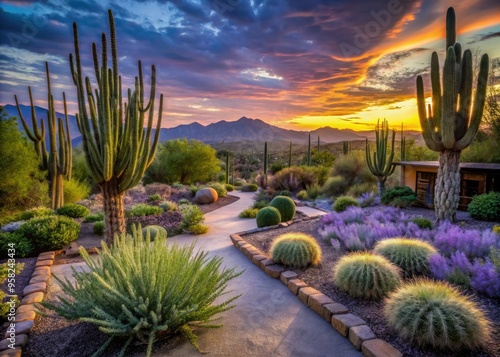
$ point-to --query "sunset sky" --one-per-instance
(299, 64)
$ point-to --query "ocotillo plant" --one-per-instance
(449, 125)
(59, 159)
(309, 151)
(264, 170)
(381, 165)
(116, 144)
(345, 147)
(227, 168)
(290, 155)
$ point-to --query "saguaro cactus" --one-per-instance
(309, 151)
(264, 173)
(403, 145)
(449, 125)
(381, 165)
(345, 147)
(290, 155)
(227, 167)
(116, 144)
(318, 143)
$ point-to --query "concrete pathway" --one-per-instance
(268, 319)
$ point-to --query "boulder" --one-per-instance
(206, 195)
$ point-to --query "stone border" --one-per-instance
(26, 312)
(345, 323)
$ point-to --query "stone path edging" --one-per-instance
(26, 312)
(347, 324)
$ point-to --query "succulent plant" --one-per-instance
(268, 216)
(285, 206)
(295, 249)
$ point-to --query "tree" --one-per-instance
(116, 143)
(322, 158)
(22, 184)
(450, 125)
(183, 161)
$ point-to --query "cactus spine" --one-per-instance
(309, 151)
(58, 160)
(381, 165)
(227, 167)
(116, 144)
(449, 125)
(290, 155)
(264, 173)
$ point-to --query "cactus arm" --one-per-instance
(436, 91)
(451, 35)
(449, 103)
(465, 93)
(427, 124)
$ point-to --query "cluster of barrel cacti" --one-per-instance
(285, 206)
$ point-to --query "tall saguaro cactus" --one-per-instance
(227, 167)
(116, 144)
(381, 165)
(290, 155)
(309, 151)
(58, 160)
(345, 147)
(264, 173)
(451, 123)
(403, 145)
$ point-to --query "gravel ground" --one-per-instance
(320, 277)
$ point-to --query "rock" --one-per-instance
(72, 249)
(20, 341)
(32, 298)
(35, 288)
(206, 195)
(379, 348)
(360, 334)
(23, 327)
(342, 323)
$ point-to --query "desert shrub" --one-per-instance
(411, 255)
(155, 232)
(193, 189)
(219, 187)
(293, 178)
(36, 212)
(249, 213)
(285, 193)
(422, 223)
(94, 217)
(168, 205)
(249, 188)
(75, 191)
(98, 228)
(260, 204)
(341, 203)
(228, 187)
(50, 232)
(191, 216)
(402, 192)
(365, 275)
(285, 206)
(268, 216)
(276, 167)
(155, 198)
(198, 229)
(147, 291)
(353, 168)
(302, 195)
(22, 245)
(298, 250)
(335, 186)
(496, 229)
(368, 199)
(143, 209)
(403, 202)
(73, 210)
(315, 174)
(485, 207)
(313, 191)
(359, 189)
(239, 182)
(435, 314)
(183, 201)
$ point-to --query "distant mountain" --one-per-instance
(243, 129)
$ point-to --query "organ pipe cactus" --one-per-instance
(117, 146)
(450, 124)
(381, 165)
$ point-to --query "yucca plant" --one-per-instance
(436, 314)
(142, 290)
(411, 255)
(366, 275)
(295, 249)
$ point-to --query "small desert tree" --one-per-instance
(116, 144)
(450, 125)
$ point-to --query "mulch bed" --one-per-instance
(320, 277)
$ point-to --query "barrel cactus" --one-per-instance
(295, 249)
(154, 232)
(285, 205)
(268, 216)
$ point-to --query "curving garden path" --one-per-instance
(268, 319)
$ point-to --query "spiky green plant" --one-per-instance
(449, 125)
(285, 206)
(381, 165)
(296, 249)
(249, 213)
(58, 161)
(268, 216)
(146, 291)
(366, 275)
(411, 255)
(116, 144)
(435, 314)
(155, 232)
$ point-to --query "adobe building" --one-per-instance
(475, 179)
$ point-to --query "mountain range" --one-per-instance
(225, 131)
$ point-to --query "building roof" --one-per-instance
(463, 165)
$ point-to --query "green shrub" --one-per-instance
(229, 188)
(73, 210)
(249, 213)
(75, 191)
(403, 202)
(496, 229)
(293, 178)
(285, 193)
(219, 187)
(22, 245)
(411, 255)
(143, 209)
(435, 314)
(249, 188)
(155, 198)
(313, 191)
(36, 212)
(168, 205)
(147, 291)
(365, 275)
(198, 229)
(358, 189)
(98, 228)
(285, 206)
(268, 216)
(50, 232)
(94, 217)
(422, 223)
(315, 175)
(335, 186)
(403, 192)
(191, 216)
(239, 182)
(155, 232)
(302, 195)
(343, 202)
(193, 189)
(298, 250)
(260, 204)
(485, 207)
(5, 267)
(183, 201)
